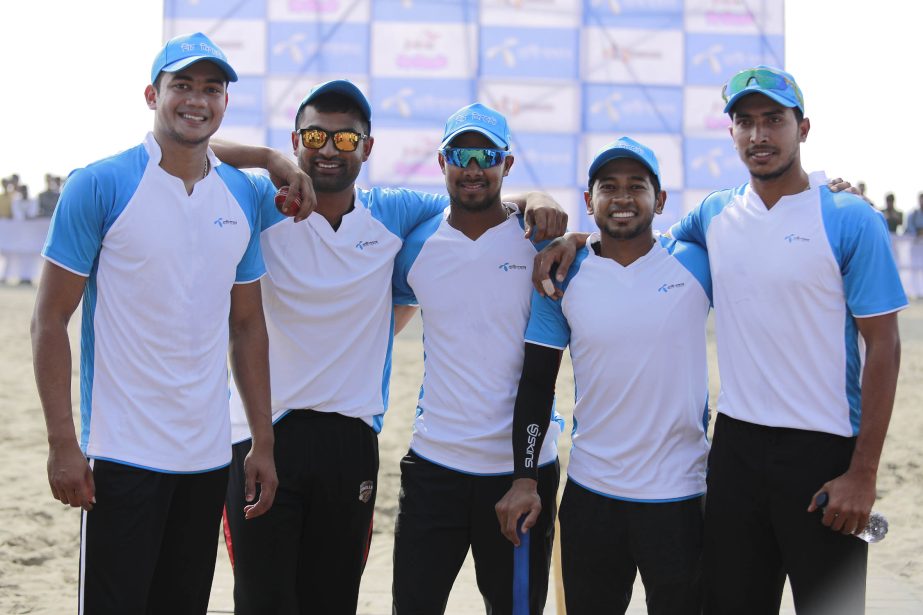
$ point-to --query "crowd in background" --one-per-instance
(16, 203)
(23, 223)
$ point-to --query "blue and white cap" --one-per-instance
(186, 50)
(478, 118)
(625, 147)
(343, 87)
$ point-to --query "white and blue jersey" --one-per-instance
(160, 265)
(637, 343)
(327, 301)
(474, 296)
(789, 283)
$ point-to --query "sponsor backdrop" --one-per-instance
(569, 75)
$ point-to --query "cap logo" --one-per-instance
(475, 117)
(202, 47)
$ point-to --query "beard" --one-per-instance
(776, 174)
(642, 226)
(474, 205)
(334, 183)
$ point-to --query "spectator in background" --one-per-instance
(48, 199)
(861, 187)
(6, 200)
(914, 226)
(893, 217)
(22, 207)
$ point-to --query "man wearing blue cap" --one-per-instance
(799, 275)
(161, 244)
(328, 305)
(633, 312)
(469, 271)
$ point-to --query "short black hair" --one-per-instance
(334, 102)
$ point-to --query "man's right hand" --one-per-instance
(521, 499)
(70, 476)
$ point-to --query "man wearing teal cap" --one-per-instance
(161, 244)
(468, 269)
(633, 313)
(800, 274)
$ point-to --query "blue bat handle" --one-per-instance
(521, 572)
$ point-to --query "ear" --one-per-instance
(588, 198)
(661, 201)
(150, 97)
(803, 130)
(507, 164)
(296, 138)
(225, 100)
(441, 160)
(367, 147)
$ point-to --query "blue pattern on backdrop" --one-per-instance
(526, 56)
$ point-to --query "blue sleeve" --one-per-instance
(547, 324)
(693, 258)
(693, 227)
(402, 210)
(861, 244)
(252, 192)
(401, 290)
(269, 213)
(90, 202)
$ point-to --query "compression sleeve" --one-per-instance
(532, 412)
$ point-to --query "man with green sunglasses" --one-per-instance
(800, 274)
(469, 271)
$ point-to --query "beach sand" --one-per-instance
(39, 537)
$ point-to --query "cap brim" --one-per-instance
(186, 62)
(496, 140)
(785, 101)
(344, 88)
(616, 154)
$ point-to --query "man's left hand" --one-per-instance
(259, 469)
(850, 499)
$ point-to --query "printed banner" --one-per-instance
(570, 76)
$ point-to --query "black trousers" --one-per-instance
(307, 554)
(757, 528)
(605, 541)
(148, 545)
(441, 514)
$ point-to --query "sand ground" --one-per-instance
(39, 536)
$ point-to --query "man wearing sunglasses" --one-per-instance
(328, 305)
(161, 244)
(469, 271)
(800, 274)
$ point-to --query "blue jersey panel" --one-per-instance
(860, 242)
(251, 195)
(403, 294)
(693, 257)
(91, 201)
(547, 324)
(693, 227)
(401, 210)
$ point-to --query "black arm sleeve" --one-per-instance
(532, 412)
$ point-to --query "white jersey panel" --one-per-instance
(157, 304)
(474, 297)
(328, 304)
(637, 342)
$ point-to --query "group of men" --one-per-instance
(173, 252)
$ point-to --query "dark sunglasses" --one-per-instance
(343, 140)
(484, 156)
